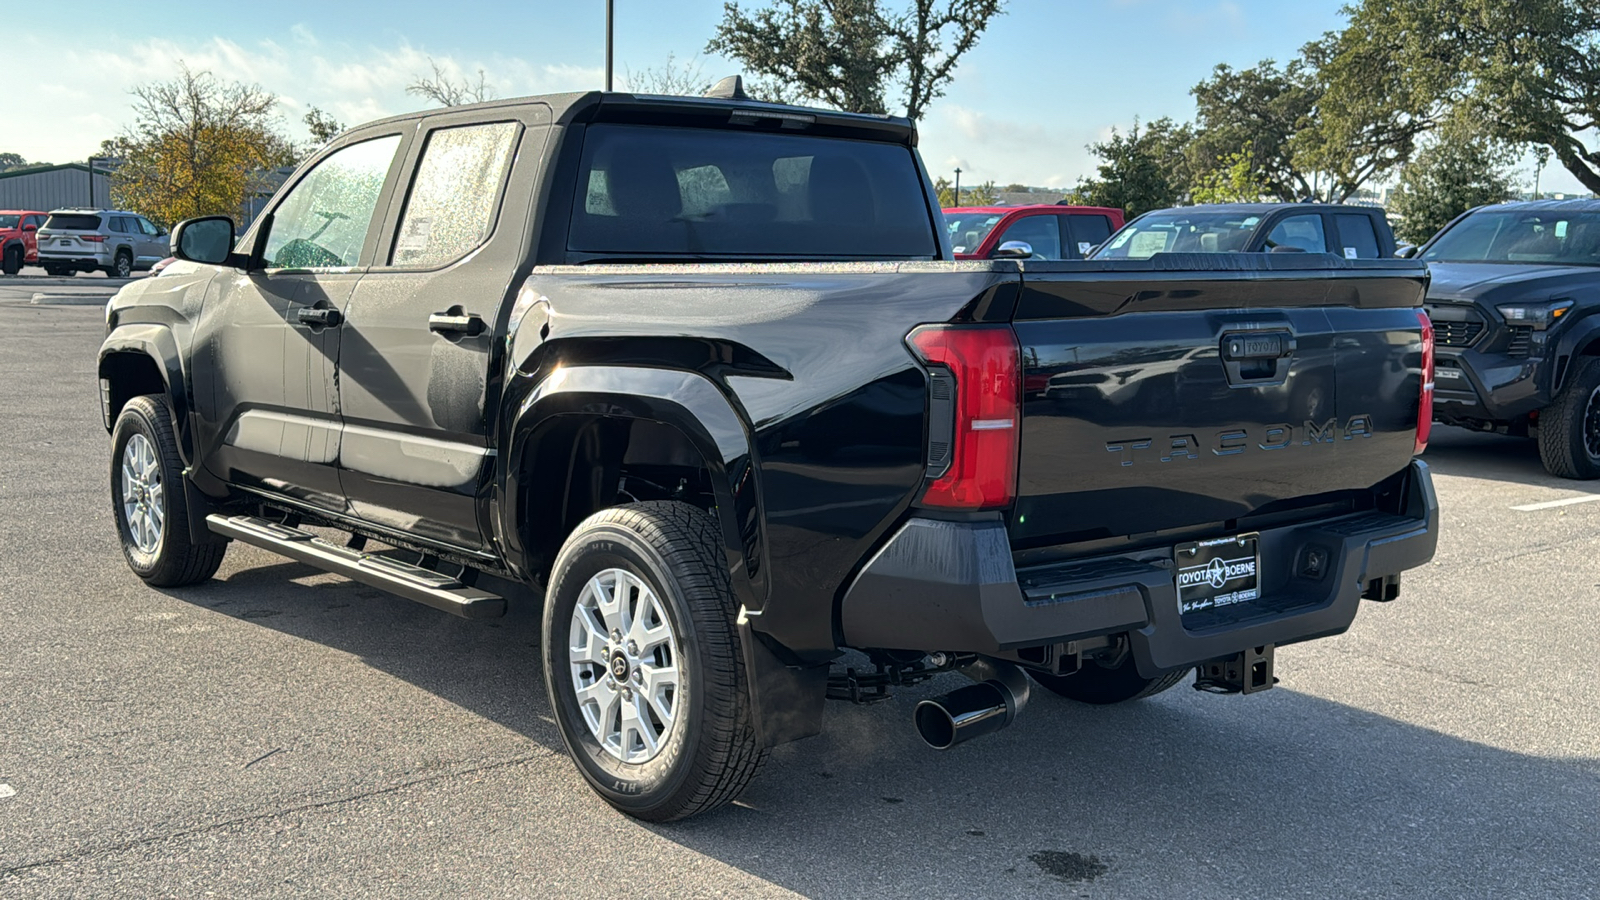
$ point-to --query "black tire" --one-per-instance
(1569, 428)
(711, 751)
(122, 267)
(176, 559)
(1101, 685)
(11, 264)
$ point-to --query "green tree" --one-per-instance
(322, 126)
(12, 161)
(1142, 170)
(983, 194)
(1371, 113)
(1460, 168)
(199, 146)
(1240, 180)
(1259, 109)
(850, 54)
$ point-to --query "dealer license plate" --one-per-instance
(1218, 573)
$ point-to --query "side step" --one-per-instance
(436, 589)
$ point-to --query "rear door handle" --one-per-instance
(320, 316)
(455, 320)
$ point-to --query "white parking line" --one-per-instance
(1552, 504)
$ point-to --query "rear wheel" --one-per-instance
(149, 502)
(643, 663)
(1569, 428)
(11, 263)
(1103, 685)
(122, 267)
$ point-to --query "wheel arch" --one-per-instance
(144, 359)
(1583, 339)
(586, 420)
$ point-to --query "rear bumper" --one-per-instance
(951, 586)
(75, 258)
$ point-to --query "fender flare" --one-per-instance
(687, 401)
(787, 699)
(1579, 336)
(158, 344)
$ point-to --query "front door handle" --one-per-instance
(320, 317)
(456, 320)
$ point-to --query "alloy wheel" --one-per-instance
(143, 495)
(623, 658)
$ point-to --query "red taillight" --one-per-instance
(985, 362)
(1425, 404)
(93, 238)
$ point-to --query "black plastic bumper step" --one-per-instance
(436, 589)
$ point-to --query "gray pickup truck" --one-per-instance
(699, 379)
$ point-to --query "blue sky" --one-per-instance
(1048, 77)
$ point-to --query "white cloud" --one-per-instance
(1048, 152)
(84, 96)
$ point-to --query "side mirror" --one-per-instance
(208, 239)
(1406, 251)
(30, 227)
(1013, 250)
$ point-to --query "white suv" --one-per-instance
(113, 241)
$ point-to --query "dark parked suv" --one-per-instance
(700, 378)
(1514, 300)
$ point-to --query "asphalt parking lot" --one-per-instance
(281, 732)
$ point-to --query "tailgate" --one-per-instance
(1196, 390)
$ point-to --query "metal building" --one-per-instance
(53, 187)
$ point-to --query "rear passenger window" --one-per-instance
(1042, 233)
(1357, 240)
(1084, 233)
(1304, 232)
(455, 194)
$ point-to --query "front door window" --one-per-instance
(324, 221)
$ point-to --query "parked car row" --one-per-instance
(1514, 289)
(72, 240)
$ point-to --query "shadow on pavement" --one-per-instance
(1474, 454)
(1184, 794)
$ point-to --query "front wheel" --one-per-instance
(1569, 428)
(1104, 685)
(149, 503)
(643, 662)
(11, 264)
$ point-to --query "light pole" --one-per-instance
(610, 8)
(92, 160)
(958, 185)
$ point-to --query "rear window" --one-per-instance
(698, 193)
(73, 221)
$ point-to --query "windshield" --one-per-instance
(1513, 236)
(1180, 231)
(968, 229)
(699, 192)
(9, 221)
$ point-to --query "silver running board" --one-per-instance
(436, 589)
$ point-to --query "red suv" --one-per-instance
(19, 238)
(1050, 231)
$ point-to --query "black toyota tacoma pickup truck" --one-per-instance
(1514, 300)
(701, 378)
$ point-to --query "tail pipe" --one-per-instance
(992, 703)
